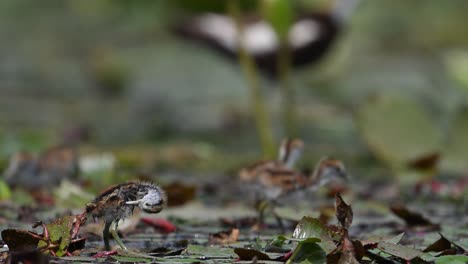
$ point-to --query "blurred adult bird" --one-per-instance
(310, 36)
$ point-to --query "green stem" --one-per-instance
(251, 74)
(287, 91)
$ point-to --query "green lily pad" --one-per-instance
(310, 227)
(400, 251)
(210, 251)
(396, 129)
(308, 251)
(452, 260)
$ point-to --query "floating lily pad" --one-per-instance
(406, 253)
(310, 227)
(452, 260)
(308, 251)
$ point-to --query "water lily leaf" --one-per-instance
(396, 129)
(308, 251)
(310, 227)
(278, 245)
(452, 260)
(400, 251)
(59, 231)
(376, 239)
(208, 251)
(132, 259)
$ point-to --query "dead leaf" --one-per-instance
(250, 254)
(224, 237)
(344, 213)
(19, 240)
(425, 162)
(440, 245)
(412, 219)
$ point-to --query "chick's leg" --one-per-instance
(115, 235)
(105, 235)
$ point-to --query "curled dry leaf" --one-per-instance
(344, 213)
(224, 237)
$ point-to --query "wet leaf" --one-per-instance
(132, 259)
(411, 218)
(278, 245)
(310, 227)
(344, 213)
(210, 251)
(400, 251)
(452, 260)
(60, 232)
(308, 251)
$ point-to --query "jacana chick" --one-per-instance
(289, 152)
(271, 184)
(119, 202)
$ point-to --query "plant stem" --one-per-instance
(287, 91)
(257, 101)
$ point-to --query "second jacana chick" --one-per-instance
(119, 202)
(289, 152)
(277, 182)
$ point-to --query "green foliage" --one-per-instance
(456, 148)
(308, 251)
(457, 67)
(452, 260)
(5, 192)
(279, 13)
(397, 129)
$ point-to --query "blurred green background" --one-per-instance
(393, 87)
